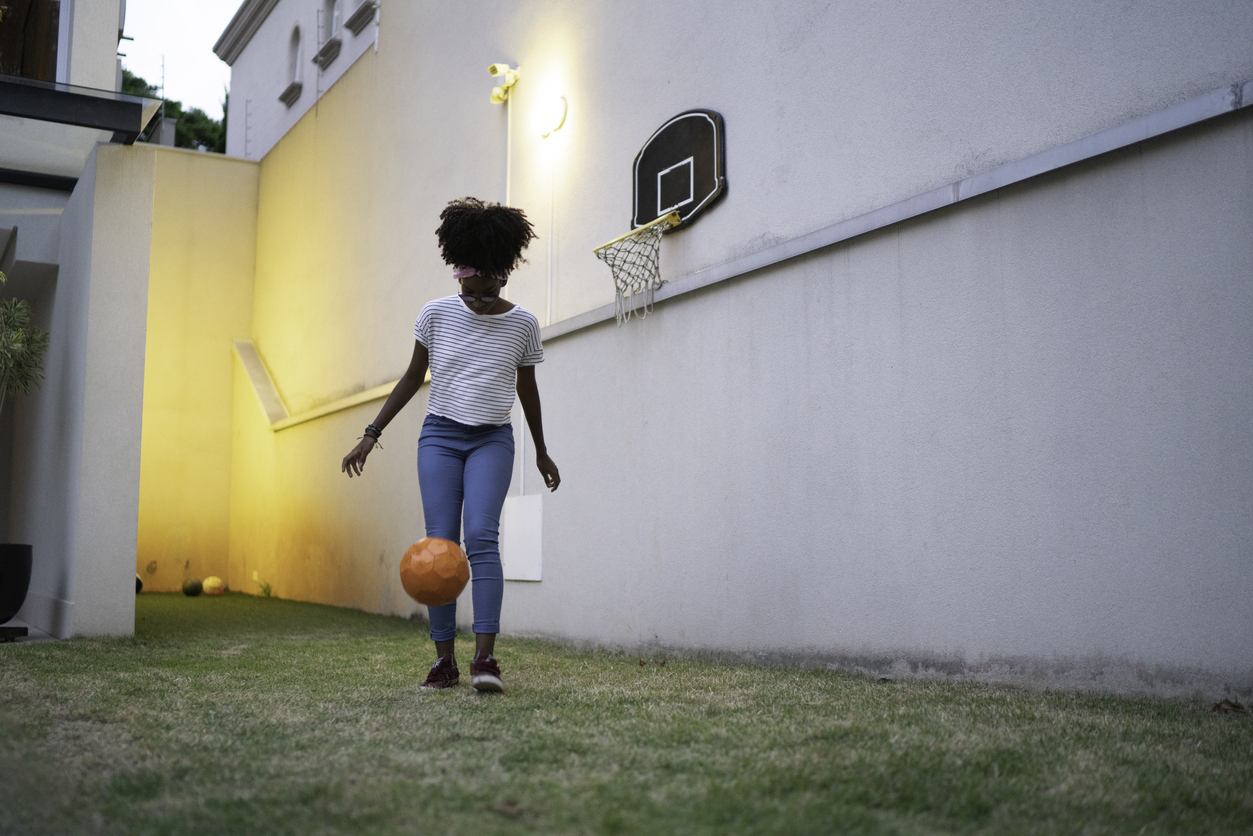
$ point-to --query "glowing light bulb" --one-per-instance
(550, 116)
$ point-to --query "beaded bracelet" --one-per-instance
(375, 433)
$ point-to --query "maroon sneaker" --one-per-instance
(443, 673)
(485, 675)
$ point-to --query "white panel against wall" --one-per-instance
(522, 537)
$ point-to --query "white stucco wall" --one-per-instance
(423, 132)
(48, 423)
(831, 110)
(75, 479)
(995, 431)
(1018, 427)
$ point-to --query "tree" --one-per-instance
(195, 128)
(133, 85)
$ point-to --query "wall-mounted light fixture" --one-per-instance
(500, 94)
(551, 116)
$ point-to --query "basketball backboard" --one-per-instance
(681, 168)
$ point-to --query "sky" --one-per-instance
(183, 31)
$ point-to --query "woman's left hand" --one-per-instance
(548, 469)
(354, 462)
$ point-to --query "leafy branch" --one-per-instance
(22, 348)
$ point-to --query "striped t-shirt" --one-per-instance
(475, 358)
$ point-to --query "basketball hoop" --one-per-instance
(678, 174)
(633, 258)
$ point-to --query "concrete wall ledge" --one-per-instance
(271, 402)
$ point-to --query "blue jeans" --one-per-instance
(465, 471)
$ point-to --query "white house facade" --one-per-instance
(956, 376)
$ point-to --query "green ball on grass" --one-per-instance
(192, 587)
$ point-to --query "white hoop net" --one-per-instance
(634, 260)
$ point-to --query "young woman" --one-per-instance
(481, 348)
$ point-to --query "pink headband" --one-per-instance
(460, 273)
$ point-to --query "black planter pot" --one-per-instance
(15, 561)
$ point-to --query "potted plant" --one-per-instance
(22, 349)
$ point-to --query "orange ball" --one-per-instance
(434, 571)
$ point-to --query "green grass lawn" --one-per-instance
(253, 715)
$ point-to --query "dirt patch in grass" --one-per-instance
(252, 715)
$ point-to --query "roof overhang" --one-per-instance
(123, 115)
(47, 130)
(247, 20)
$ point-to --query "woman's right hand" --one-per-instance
(354, 462)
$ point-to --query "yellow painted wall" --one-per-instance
(321, 231)
(333, 315)
(199, 300)
(302, 527)
(348, 202)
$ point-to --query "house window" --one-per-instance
(293, 56)
(28, 38)
(328, 26)
(330, 20)
(291, 93)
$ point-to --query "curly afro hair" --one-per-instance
(486, 236)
